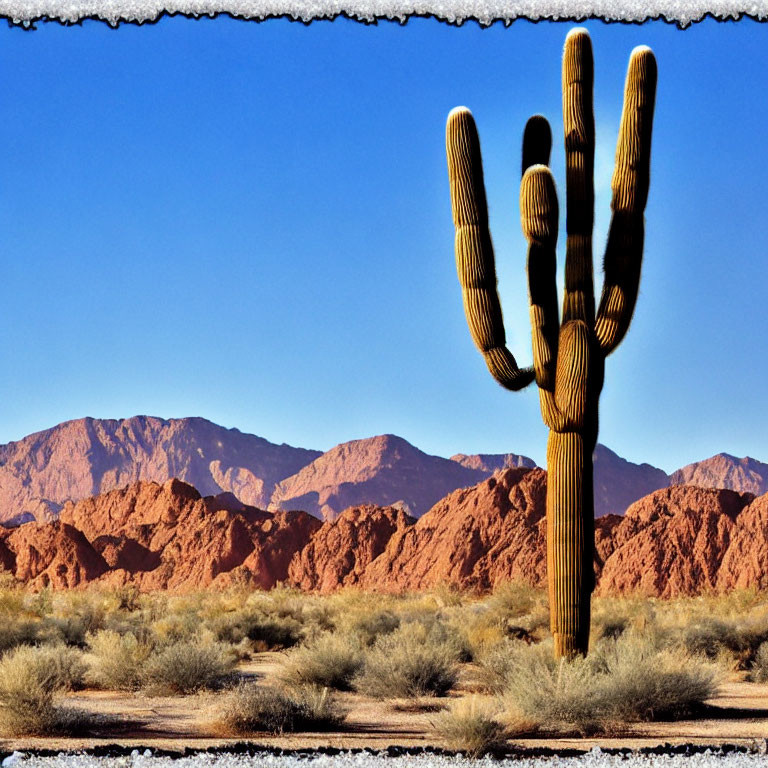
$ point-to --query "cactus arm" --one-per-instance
(474, 251)
(537, 142)
(631, 178)
(539, 219)
(579, 124)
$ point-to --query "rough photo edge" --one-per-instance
(682, 13)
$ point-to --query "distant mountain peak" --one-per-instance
(746, 475)
(84, 457)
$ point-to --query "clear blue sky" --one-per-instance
(251, 223)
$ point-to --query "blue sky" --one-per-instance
(251, 223)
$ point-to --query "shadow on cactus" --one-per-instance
(568, 354)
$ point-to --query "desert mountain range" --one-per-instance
(675, 541)
(87, 457)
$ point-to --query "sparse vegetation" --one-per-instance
(187, 667)
(328, 661)
(116, 662)
(251, 708)
(759, 673)
(650, 659)
(624, 680)
(411, 662)
(30, 681)
(470, 726)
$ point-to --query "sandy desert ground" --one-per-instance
(738, 716)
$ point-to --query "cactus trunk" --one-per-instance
(570, 540)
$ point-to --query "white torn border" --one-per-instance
(485, 12)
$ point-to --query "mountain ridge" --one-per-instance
(79, 458)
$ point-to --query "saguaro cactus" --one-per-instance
(568, 356)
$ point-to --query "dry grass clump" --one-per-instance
(470, 726)
(124, 663)
(187, 666)
(759, 672)
(512, 611)
(116, 662)
(265, 632)
(496, 666)
(15, 632)
(733, 641)
(329, 660)
(251, 708)
(410, 662)
(30, 680)
(624, 680)
(367, 624)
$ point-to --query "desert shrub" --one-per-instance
(515, 598)
(18, 632)
(368, 625)
(513, 611)
(437, 630)
(175, 628)
(623, 680)
(329, 660)
(470, 726)
(30, 678)
(496, 666)
(263, 631)
(410, 662)
(53, 668)
(709, 638)
(116, 661)
(66, 666)
(40, 603)
(70, 630)
(736, 639)
(480, 627)
(251, 708)
(11, 595)
(127, 597)
(186, 667)
(759, 672)
(77, 614)
(311, 614)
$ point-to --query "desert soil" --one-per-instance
(737, 716)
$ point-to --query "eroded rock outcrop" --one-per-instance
(672, 542)
(53, 555)
(680, 540)
(158, 537)
(342, 549)
(473, 538)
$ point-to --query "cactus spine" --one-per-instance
(568, 355)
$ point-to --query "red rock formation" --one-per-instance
(676, 541)
(473, 538)
(158, 537)
(53, 554)
(342, 549)
(745, 562)
(672, 542)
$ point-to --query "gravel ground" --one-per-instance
(593, 759)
